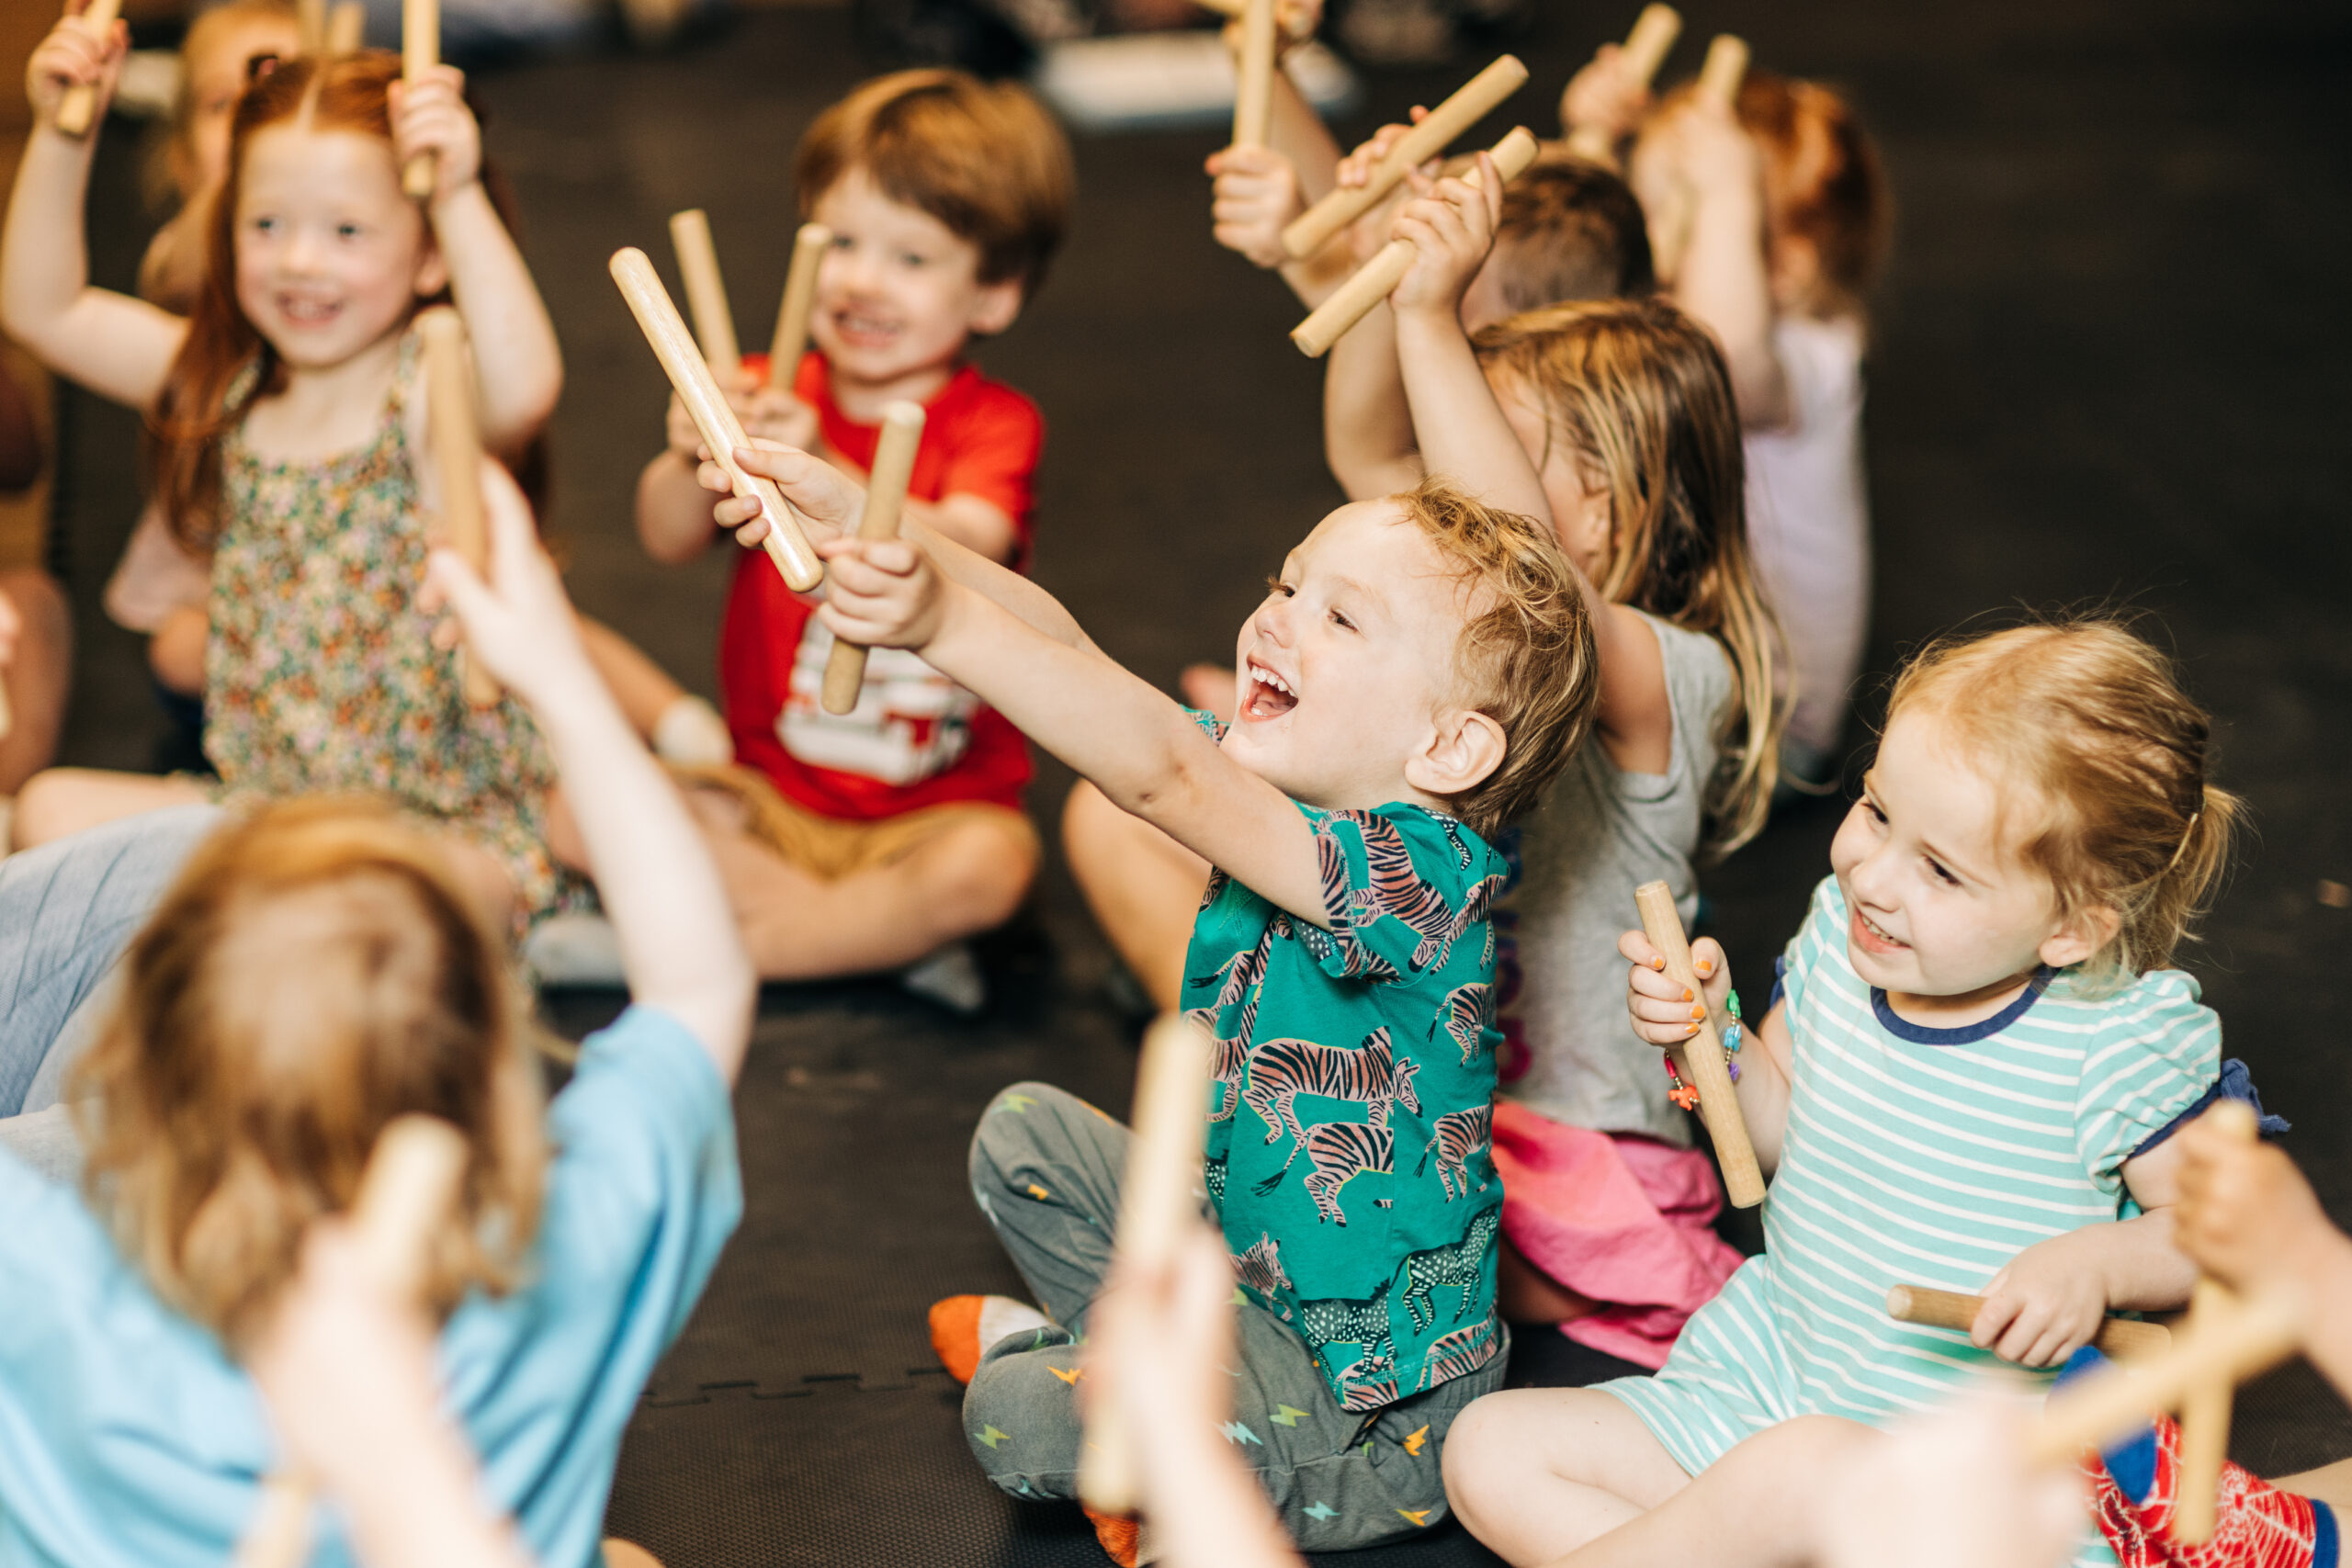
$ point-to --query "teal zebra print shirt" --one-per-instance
(1353, 1106)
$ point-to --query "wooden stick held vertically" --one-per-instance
(79, 108)
(347, 28)
(311, 25)
(1719, 82)
(456, 436)
(886, 496)
(706, 290)
(1157, 1200)
(420, 52)
(1645, 50)
(2205, 1407)
(1373, 281)
(412, 1180)
(682, 362)
(809, 248)
(2118, 1339)
(1253, 99)
(1313, 228)
(1703, 1054)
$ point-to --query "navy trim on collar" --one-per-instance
(1967, 1034)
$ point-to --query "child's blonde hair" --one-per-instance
(1525, 658)
(172, 149)
(315, 970)
(1639, 393)
(2092, 718)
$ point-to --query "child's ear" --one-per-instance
(996, 308)
(431, 272)
(2088, 931)
(1465, 747)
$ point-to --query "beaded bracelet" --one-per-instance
(1686, 1095)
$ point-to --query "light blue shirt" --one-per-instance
(127, 1436)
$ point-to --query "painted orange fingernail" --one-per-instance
(1706, 966)
(1686, 993)
(1657, 962)
(1689, 1029)
(1698, 1013)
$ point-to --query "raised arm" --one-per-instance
(118, 347)
(680, 949)
(518, 369)
(1724, 279)
(1462, 432)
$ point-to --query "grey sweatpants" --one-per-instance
(1045, 1169)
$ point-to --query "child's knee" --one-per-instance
(52, 806)
(1021, 1419)
(1478, 1441)
(1004, 1138)
(977, 877)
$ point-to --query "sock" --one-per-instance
(1120, 1537)
(950, 978)
(691, 732)
(2134, 1497)
(962, 1327)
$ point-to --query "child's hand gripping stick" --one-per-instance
(457, 454)
(885, 494)
(786, 546)
(1702, 1054)
(1378, 278)
(2118, 1339)
(2205, 1407)
(405, 1195)
(80, 104)
(1647, 46)
(2234, 1341)
(809, 248)
(1157, 1200)
(1313, 228)
(706, 290)
(1253, 101)
(420, 52)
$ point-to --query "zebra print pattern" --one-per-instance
(1261, 1268)
(1459, 1134)
(1395, 890)
(1281, 1070)
(1341, 1151)
(1243, 972)
(1371, 1381)
(1468, 1012)
(1464, 1350)
(1458, 1266)
(1476, 906)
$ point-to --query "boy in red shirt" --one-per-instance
(880, 838)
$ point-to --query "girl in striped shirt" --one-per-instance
(1965, 1079)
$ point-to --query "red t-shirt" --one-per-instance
(915, 738)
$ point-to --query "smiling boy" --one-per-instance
(1419, 671)
(879, 839)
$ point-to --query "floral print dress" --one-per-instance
(321, 674)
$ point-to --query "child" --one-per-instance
(877, 840)
(287, 413)
(316, 970)
(1615, 420)
(1958, 1083)
(1412, 680)
(1796, 167)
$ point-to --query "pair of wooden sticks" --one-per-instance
(412, 1182)
(690, 370)
(707, 296)
(333, 33)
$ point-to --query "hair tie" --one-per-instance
(2182, 848)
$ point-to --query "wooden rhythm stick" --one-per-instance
(2228, 1345)
(420, 52)
(706, 290)
(2205, 1407)
(1645, 49)
(2118, 1339)
(412, 1180)
(1703, 1054)
(1156, 1200)
(456, 452)
(1373, 281)
(347, 28)
(886, 495)
(786, 546)
(80, 104)
(1253, 100)
(809, 248)
(1725, 69)
(311, 25)
(1313, 228)
(1719, 83)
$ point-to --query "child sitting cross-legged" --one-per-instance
(1417, 673)
(882, 838)
(1966, 1078)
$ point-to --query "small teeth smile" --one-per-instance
(1270, 696)
(1879, 931)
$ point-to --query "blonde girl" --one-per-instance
(286, 417)
(1966, 1078)
(317, 969)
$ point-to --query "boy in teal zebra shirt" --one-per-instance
(1419, 672)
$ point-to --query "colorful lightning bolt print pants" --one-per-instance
(1046, 1171)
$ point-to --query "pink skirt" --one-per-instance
(1623, 1219)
